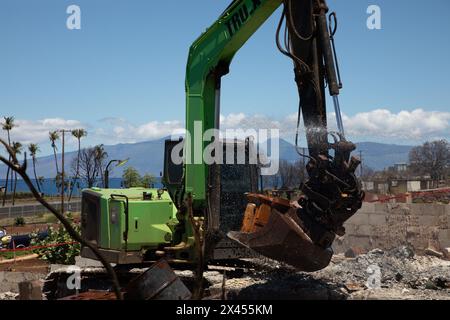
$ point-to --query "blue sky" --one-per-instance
(122, 75)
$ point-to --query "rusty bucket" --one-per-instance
(279, 235)
(158, 283)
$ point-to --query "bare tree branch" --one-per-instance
(21, 170)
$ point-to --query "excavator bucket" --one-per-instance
(272, 228)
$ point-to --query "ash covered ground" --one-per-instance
(394, 274)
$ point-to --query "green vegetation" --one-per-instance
(132, 179)
(34, 149)
(64, 254)
(40, 218)
(148, 180)
(19, 222)
(10, 255)
(51, 219)
(78, 134)
(7, 125)
(53, 137)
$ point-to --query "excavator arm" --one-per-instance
(209, 59)
(300, 233)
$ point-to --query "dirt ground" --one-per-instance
(32, 266)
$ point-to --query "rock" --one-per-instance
(353, 287)
(376, 252)
(8, 296)
(434, 253)
(398, 277)
(430, 285)
(350, 253)
(354, 252)
(441, 282)
(446, 252)
(403, 252)
(30, 290)
(85, 262)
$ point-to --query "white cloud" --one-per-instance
(405, 125)
(379, 125)
(243, 121)
(118, 130)
(28, 131)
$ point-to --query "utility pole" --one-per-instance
(361, 159)
(62, 169)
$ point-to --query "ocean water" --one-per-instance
(49, 186)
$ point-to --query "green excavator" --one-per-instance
(224, 200)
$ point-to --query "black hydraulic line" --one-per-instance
(328, 55)
(332, 21)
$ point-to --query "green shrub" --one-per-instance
(19, 222)
(51, 219)
(64, 254)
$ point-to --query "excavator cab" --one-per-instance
(228, 185)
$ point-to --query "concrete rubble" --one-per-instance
(8, 296)
(9, 281)
(395, 274)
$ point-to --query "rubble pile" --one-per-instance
(394, 274)
(399, 270)
(8, 296)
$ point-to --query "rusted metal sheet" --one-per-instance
(157, 283)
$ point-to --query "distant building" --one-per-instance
(398, 185)
(401, 167)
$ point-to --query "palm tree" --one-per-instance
(100, 156)
(7, 125)
(41, 180)
(78, 134)
(34, 149)
(53, 136)
(17, 148)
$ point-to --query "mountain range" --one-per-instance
(148, 157)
